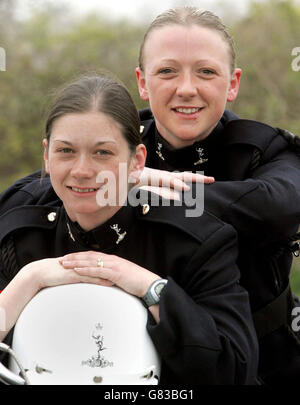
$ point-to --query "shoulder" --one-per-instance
(267, 139)
(198, 223)
(29, 217)
(30, 190)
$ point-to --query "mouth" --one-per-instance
(187, 111)
(83, 190)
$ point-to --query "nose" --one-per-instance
(186, 86)
(82, 168)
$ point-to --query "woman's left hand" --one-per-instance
(127, 275)
(169, 185)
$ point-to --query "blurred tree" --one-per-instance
(52, 46)
(265, 39)
(43, 53)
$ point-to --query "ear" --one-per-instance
(46, 157)
(141, 81)
(234, 85)
(137, 164)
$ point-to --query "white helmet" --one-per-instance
(85, 334)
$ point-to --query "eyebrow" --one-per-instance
(168, 61)
(202, 60)
(96, 144)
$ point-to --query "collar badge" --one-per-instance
(201, 159)
(121, 236)
(70, 233)
(158, 152)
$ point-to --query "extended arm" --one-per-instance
(31, 279)
(206, 334)
(265, 207)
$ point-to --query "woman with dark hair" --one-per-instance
(199, 317)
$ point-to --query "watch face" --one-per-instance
(159, 288)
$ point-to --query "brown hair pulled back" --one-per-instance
(187, 16)
(102, 94)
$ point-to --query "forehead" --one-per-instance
(185, 43)
(89, 125)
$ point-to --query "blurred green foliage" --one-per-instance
(265, 39)
(295, 277)
(51, 47)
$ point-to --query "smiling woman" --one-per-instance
(97, 135)
(77, 152)
(93, 128)
(194, 78)
(187, 71)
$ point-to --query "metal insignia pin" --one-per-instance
(51, 217)
(201, 154)
(146, 209)
(70, 233)
(116, 228)
(158, 152)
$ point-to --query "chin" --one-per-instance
(84, 209)
(189, 138)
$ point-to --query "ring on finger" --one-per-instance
(100, 263)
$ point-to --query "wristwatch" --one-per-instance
(152, 296)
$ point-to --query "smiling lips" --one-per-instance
(83, 190)
(188, 111)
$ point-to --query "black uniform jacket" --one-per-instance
(257, 190)
(263, 204)
(206, 334)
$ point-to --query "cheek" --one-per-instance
(216, 95)
(50, 165)
(114, 169)
(56, 169)
(155, 86)
(211, 89)
(158, 97)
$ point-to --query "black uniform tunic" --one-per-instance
(261, 199)
(205, 334)
(263, 208)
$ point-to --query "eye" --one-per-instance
(103, 152)
(65, 150)
(207, 72)
(166, 71)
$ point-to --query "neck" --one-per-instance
(91, 221)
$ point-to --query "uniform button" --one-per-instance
(51, 217)
(145, 208)
(141, 129)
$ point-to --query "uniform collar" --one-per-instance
(196, 155)
(106, 237)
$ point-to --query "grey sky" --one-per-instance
(133, 9)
